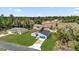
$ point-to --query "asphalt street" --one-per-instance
(15, 47)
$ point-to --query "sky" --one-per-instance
(40, 11)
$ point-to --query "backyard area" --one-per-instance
(24, 39)
(49, 44)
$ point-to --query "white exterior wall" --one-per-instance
(9, 32)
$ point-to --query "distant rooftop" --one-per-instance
(18, 30)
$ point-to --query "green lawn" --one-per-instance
(23, 39)
(49, 44)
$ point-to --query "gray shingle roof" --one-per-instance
(17, 30)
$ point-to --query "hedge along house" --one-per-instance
(17, 30)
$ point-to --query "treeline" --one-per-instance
(27, 22)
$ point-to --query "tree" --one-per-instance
(77, 47)
(66, 34)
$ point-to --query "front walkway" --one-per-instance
(3, 35)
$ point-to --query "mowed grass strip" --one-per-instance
(24, 39)
(49, 44)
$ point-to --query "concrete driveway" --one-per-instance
(15, 47)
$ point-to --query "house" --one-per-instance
(37, 27)
(17, 30)
(41, 35)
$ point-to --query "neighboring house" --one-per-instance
(41, 35)
(17, 30)
(37, 27)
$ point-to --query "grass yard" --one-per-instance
(24, 39)
(49, 44)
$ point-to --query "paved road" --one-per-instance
(14, 47)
